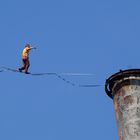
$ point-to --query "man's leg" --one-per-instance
(24, 65)
(27, 66)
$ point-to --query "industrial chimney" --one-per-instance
(124, 88)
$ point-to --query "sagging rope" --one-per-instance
(67, 81)
(60, 76)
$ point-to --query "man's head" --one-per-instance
(27, 45)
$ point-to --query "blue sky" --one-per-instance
(80, 36)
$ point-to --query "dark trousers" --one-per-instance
(26, 64)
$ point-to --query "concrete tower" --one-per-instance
(124, 88)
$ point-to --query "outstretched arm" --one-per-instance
(31, 48)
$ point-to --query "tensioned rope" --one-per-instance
(58, 75)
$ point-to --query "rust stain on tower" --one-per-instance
(124, 88)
